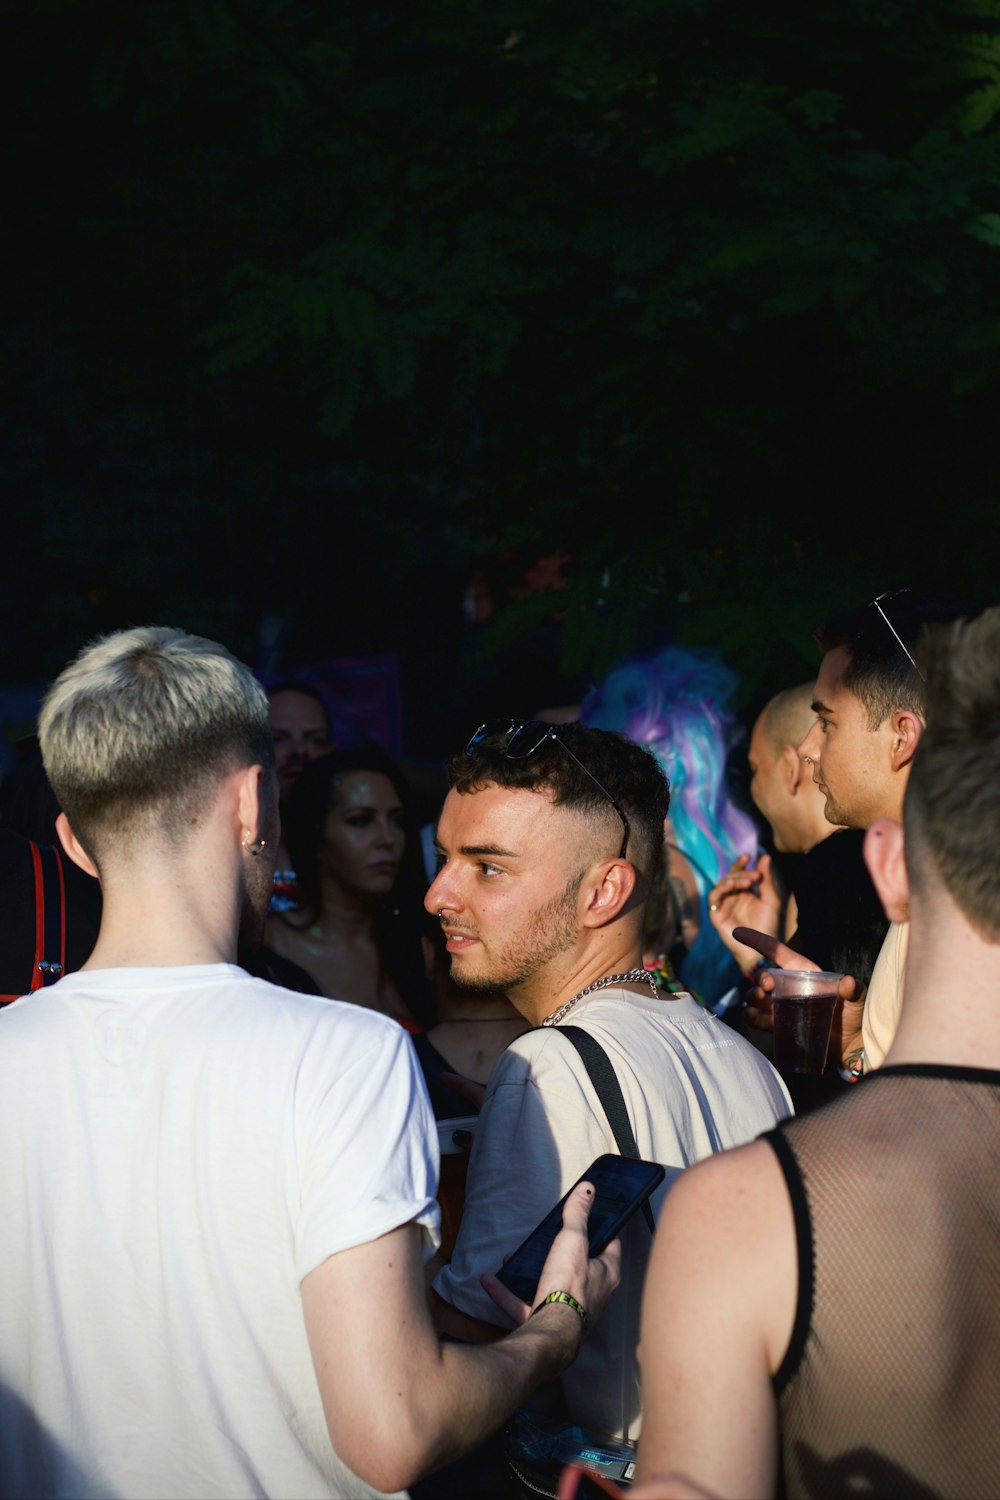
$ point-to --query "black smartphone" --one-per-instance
(621, 1186)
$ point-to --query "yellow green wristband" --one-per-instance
(569, 1301)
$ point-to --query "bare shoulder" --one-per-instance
(727, 1223)
(740, 1188)
(718, 1312)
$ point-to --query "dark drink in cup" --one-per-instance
(804, 1003)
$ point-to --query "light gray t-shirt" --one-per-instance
(179, 1147)
(692, 1085)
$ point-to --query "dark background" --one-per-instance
(671, 319)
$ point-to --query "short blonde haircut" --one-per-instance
(140, 727)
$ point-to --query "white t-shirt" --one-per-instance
(179, 1147)
(691, 1085)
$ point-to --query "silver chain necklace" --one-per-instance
(631, 976)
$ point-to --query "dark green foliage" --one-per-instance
(701, 295)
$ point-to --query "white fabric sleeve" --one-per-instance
(367, 1147)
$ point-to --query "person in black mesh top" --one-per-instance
(822, 1309)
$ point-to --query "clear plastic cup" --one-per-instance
(804, 1003)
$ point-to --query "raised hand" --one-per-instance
(745, 897)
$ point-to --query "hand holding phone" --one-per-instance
(621, 1185)
(569, 1268)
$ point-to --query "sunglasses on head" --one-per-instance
(516, 740)
(877, 604)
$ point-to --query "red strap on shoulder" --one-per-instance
(37, 976)
(44, 970)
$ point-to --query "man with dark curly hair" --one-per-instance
(547, 841)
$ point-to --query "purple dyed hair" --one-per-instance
(676, 704)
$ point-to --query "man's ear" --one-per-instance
(607, 890)
(73, 847)
(907, 727)
(251, 799)
(794, 769)
(885, 858)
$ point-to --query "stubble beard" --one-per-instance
(840, 817)
(553, 929)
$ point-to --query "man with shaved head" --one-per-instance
(834, 914)
(781, 783)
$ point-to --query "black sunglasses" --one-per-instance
(517, 740)
(877, 604)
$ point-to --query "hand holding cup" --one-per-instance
(846, 1028)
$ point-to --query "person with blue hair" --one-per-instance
(677, 704)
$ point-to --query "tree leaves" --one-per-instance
(696, 294)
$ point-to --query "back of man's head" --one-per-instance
(629, 774)
(881, 639)
(786, 718)
(952, 808)
(138, 730)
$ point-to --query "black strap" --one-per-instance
(605, 1080)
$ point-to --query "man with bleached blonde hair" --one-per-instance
(217, 1194)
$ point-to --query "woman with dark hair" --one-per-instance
(357, 930)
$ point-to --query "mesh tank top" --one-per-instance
(891, 1383)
